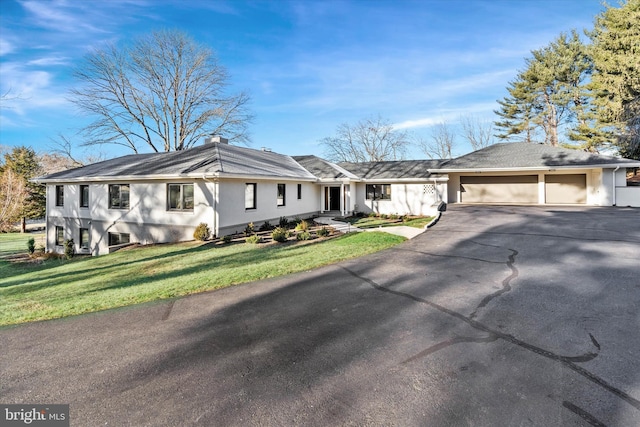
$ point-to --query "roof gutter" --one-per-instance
(532, 168)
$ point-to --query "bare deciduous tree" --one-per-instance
(62, 156)
(440, 143)
(13, 192)
(163, 91)
(369, 140)
(478, 133)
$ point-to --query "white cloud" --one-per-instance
(483, 111)
(6, 47)
(59, 15)
(32, 89)
(49, 60)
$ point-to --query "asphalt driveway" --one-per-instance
(497, 316)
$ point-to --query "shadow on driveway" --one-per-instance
(496, 316)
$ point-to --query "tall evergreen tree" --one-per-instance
(615, 83)
(544, 96)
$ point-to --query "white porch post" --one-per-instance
(322, 191)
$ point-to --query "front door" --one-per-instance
(332, 198)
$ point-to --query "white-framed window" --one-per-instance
(378, 191)
(119, 196)
(118, 239)
(59, 195)
(250, 195)
(84, 238)
(180, 197)
(84, 196)
(59, 235)
(282, 190)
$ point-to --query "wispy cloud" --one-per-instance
(6, 47)
(451, 115)
(58, 15)
(49, 61)
(31, 89)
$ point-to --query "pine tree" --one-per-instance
(615, 83)
(544, 96)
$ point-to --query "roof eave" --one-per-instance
(538, 168)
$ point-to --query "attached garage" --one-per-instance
(565, 189)
(499, 189)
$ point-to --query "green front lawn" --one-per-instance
(57, 288)
(12, 243)
(376, 221)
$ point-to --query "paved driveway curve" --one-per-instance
(496, 316)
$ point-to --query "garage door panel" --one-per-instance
(499, 189)
(566, 189)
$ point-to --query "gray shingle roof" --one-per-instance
(401, 169)
(323, 169)
(514, 155)
(207, 159)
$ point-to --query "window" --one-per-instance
(281, 194)
(118, 239)
(250, 193)
(119, 196)
(59, 236)
(180, 197)
(299, 191)
(84, 238)
(59, 195)
(84, 196)
(378, 191)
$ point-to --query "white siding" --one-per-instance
(147, 220)
(234, 217)
(415, 198)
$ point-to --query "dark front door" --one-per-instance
(332, 199)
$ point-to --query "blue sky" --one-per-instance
(308, 65)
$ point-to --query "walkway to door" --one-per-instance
(345, 227)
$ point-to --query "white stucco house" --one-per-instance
(162, 197)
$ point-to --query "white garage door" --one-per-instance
(565, 189)
(499, 189)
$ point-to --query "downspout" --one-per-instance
(435, 186)
(613, 184)
(342, 199)
(215, 205)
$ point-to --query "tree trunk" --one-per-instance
(23, 225)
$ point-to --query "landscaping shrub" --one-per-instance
(302, 226)
(69, 249)
(296, 221)
(249, 229)
(393, 216)
(303, 235)
(202, 232)
(280, 234)
(227, 239)
(31, 245)
(323, 232)
(253, 239)
(283, 222)
(372, 214)
(266, 226)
